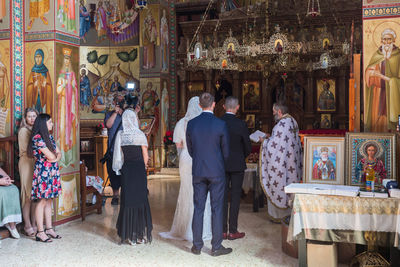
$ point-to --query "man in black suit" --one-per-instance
(239, 149)
(208, 144)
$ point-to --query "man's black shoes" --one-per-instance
(221, 251)
(196, 251)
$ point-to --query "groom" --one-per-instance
(208, 145)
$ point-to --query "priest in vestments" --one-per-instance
(382, 90)
(281, 162)
(67, 116)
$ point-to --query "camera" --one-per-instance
(128, 101)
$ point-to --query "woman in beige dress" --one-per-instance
(25, 166)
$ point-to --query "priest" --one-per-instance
(281, 162)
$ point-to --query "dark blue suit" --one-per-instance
(208, 144)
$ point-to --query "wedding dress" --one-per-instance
(182, 224)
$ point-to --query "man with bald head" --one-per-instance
(382, 85)
(239, 149)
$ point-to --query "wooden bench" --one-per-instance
(86, 190)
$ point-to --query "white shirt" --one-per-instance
(209, 111)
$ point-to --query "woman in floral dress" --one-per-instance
(46, 176)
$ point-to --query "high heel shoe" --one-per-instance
(48, 240)
(52, 236)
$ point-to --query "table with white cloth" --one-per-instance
(343, 219)
(251, 181)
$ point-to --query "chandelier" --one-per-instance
(259, 51)
(312, 9)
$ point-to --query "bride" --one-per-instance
(182, 224)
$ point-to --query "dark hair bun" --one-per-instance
(131, 100)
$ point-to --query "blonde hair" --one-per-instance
(23, 121)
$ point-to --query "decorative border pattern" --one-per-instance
(42, 36)
(5, 34)
(384, 11)
(172, 68)
(67, 38)
(17, 59)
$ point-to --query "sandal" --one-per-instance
(29, 232)
(52, 236)
(48, 240)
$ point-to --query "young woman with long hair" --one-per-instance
(25, 166)
(46, 176)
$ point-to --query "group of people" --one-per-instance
(212, 153)
(40, 180)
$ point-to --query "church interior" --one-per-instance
(332, 63)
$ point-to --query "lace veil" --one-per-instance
(192, 112)
(130, 135)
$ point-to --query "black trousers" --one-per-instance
(115, 179)
(233, 184)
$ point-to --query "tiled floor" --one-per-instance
(95, 242)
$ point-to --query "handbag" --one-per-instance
(108, 155)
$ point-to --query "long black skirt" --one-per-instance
(134, 219)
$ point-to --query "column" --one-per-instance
(55, 39)
(236, 85)
(309, 95)
(341, 99)
(209, 85)
(182, 92)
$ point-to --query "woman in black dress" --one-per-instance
(130, 159)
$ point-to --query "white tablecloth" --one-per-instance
(344, 213)
(248, 176)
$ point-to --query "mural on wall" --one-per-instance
(39, 60)
(67, 19)
(108, 22)
(164, 113)
(68, 201)
(251, 96)
(164, 40)
(149, 25)
(164, 118)
(39, 15)
(4, 14)
(150, 103)
(379, 2)
(381, 74)
(5, 89)
(67, 99)
(326, 95)
(105, 73)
